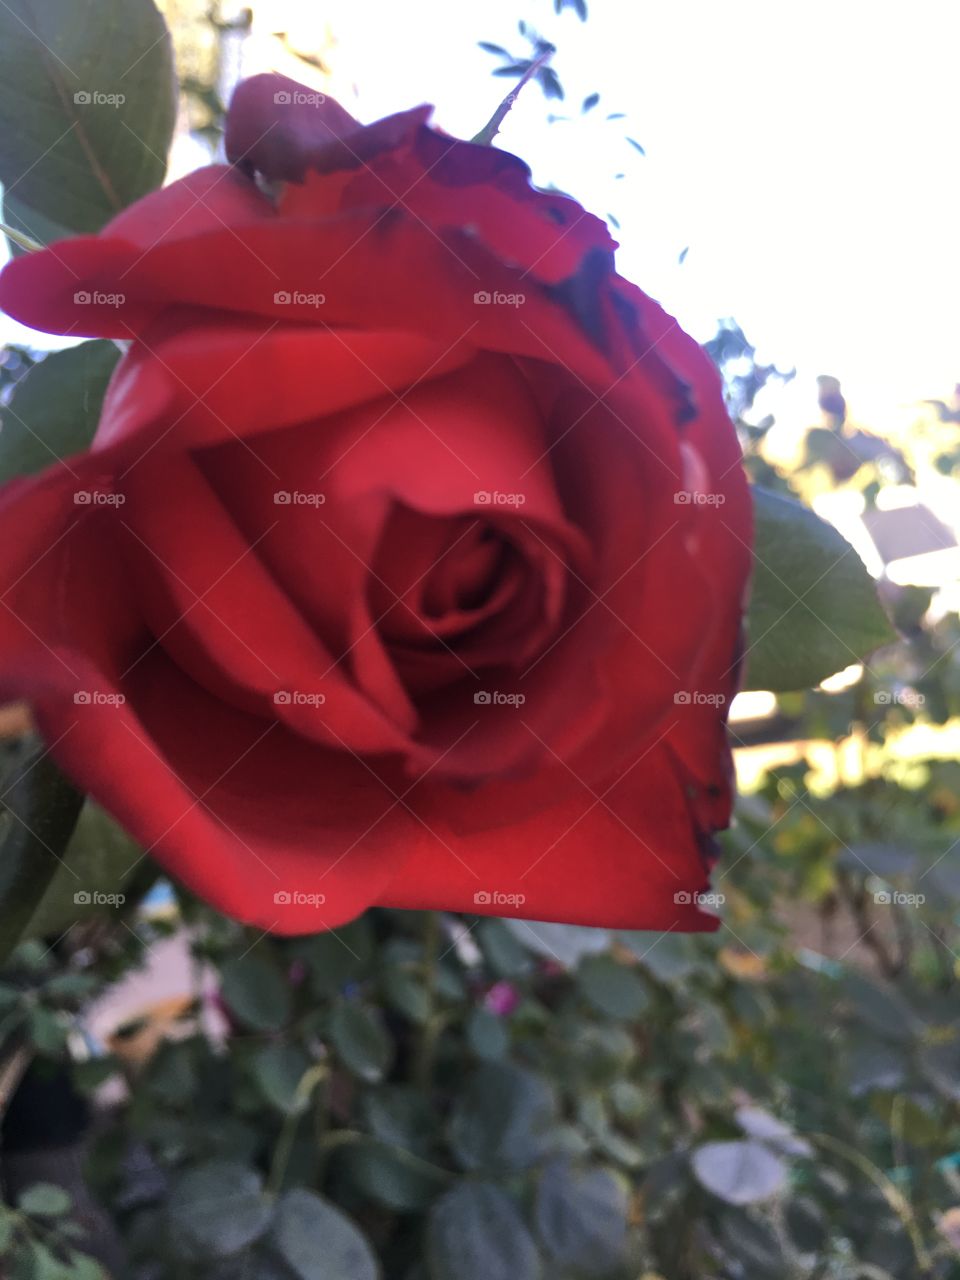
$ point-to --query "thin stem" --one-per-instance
(423, 1067)
(490, 130)
(282, 1152)
(25, 242)
(888, 1189)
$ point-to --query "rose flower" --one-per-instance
(406, 567)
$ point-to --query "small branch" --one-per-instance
(25, 242)
(423, 1064)
(490, 130)
(284, 1148)
(888, 1189)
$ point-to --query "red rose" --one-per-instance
(407, 562)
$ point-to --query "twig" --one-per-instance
(490, 130)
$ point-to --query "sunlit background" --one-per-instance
(805, 157)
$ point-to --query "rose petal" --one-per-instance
(625, 855)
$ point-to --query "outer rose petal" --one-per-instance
(194, 800)
(724, 537)
(279, 127)
(623, 855)
(401, 163)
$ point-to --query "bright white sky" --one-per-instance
(806, 153)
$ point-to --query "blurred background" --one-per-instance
(442, 1098)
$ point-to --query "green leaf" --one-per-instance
(612, 988)
(773, 1133)
(390, 1176)
(670, 957)
(502, 1119)
(338, 957)
(37, 227)
(475, 1232)
(46, 1031)
(278, 1070)
(402, 1116)
(407, 994)
(256, 992)
(83, 1267)
(361, 1041)
(501, 949)
(38, 1262)
(806, 1225)
(98, 860)
(755, 1245)
(487, 1035)
(581, 1217)
(813, 606)
(217, 1209)
(41, 809)
(319, 1242)
(739, 1172)
(44, 1200)
(566, 943)
(55, 408)
(70, 149)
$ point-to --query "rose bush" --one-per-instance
(407, 564)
